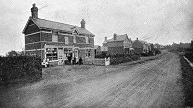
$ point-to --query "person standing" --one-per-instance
(80, 61)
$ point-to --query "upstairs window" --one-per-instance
(74, 39)
(66, 40)
(54, 37)
(86, 38)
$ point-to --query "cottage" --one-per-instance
(119, 44)
(57, 42)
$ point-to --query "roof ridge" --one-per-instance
(60, 25)
(56, 22)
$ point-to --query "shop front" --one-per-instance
(59, 55)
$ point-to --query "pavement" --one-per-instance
(151, 84)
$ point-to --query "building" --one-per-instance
(104, 47)
(55, 41)
(97, 50)
(140, 47)
(119, 44)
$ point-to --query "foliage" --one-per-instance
(18, 67)
(191, 44)
(187, 80)
(12, 53)
(189, 56)
(121, 58)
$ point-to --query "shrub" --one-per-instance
(18, 67)
(189, 56)
(187, 80)
(121, 58)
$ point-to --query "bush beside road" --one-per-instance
(187, 79)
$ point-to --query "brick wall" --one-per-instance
(91, 41)
(32, 38)
(115, 44)
(138, 50)
(116, 50)
(83, 45)
(31, 29)
(80, 39)
(37, 53)
(137, 44)
(46, 37)
(33, 46)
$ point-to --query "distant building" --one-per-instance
(140, 47)
(55, 41)
(119, 44)
(97, 50)
(104, 47)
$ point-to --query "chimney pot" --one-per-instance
(105, 38)
(115, 36)
(82, 23)
(34, 11)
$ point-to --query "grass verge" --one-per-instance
(187, 80)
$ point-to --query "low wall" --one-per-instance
(102, 61)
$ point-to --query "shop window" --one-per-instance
(51, 54)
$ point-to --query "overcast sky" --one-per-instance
(156, 21)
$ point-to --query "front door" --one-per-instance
(61, 56)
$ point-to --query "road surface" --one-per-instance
(153, 84)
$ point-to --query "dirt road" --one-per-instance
(153, 84)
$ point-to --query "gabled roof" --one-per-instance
(143, 42)
(118, 38)
(96, 46)
(43, 23)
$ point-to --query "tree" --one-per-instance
(191, 44)
(12, 53)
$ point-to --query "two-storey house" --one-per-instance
(56, 41)
(119, 44)
(140, 47)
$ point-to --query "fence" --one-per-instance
(102, 61)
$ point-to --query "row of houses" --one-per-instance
(58, 42)
(122, 44)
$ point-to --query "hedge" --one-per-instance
(187, 80)
(189, 56)
(19, 67)
(117, 59)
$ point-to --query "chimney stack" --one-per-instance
(115, 36)
(105, 38)
(83, 23)
(34, 11)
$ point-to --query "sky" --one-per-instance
(154, 21)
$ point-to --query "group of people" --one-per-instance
(72, 60)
